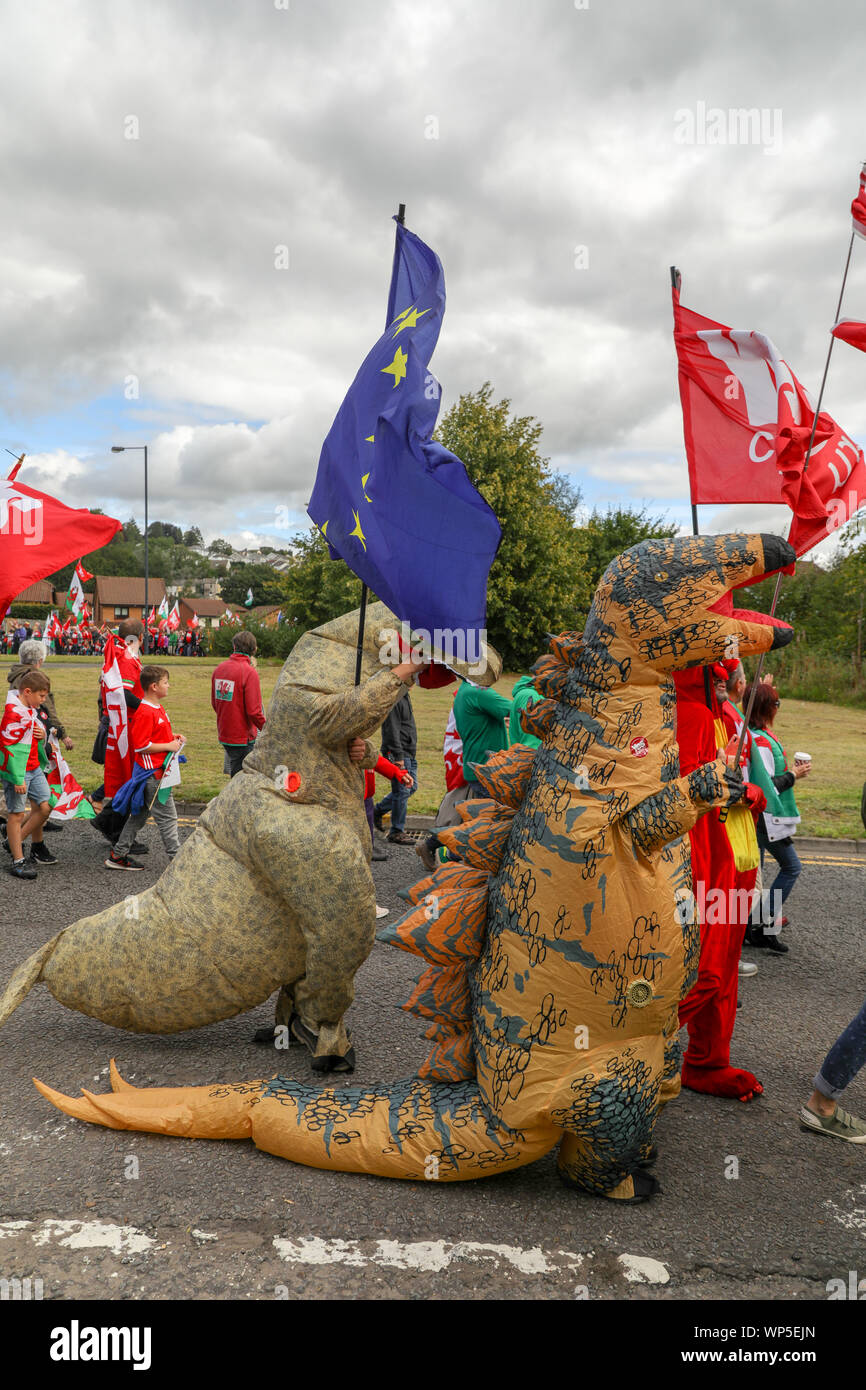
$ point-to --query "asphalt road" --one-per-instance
(95, 1213)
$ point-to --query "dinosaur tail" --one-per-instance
(25, 977)
(409, 1130)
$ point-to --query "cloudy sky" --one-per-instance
(163, 159)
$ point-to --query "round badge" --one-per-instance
(639, 747)
(293, 781)
(639, 994)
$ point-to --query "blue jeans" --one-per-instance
(398, 797)
(789, 871)
(844, 1060)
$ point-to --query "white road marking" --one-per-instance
(92, 1235)
(855, 1219)
(434, 1256)
(640, 1269)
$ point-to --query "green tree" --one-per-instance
(538, 582)
(317, 588)
(608, 534)
(219, 547)
(192, 536)
(266, 584)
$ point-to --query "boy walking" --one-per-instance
(20, 732)
(151, 738)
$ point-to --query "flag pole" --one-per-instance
(676, 282)
(755, 683)
(401, 219)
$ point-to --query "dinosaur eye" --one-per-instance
(661, 576)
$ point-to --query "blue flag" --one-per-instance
(395, 505)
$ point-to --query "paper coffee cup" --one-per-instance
(802, 757)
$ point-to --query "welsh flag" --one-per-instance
(83, 574)
(114, 698)
(75, 597)
(173, 619)
(16, 737)
(452, 750)
(194, 622)
(163, 607)
(248, 601)
(747, 422)
(67, 798)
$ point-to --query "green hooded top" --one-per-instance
(523, 694)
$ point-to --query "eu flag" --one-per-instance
(394, 504)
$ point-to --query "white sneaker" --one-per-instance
(381, 911)
(746, 967)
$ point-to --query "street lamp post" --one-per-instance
(120, 449)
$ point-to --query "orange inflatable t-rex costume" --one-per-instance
(558, 950)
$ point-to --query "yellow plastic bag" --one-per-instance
(744, 840)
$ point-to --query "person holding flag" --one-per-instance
(22, 775)
(121, 695)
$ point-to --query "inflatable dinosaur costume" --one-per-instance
(273, 887)
(561, 939)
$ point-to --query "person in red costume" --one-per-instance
(709, 1010)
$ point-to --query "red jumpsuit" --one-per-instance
(709, 1011)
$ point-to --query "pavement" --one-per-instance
(751, 1207)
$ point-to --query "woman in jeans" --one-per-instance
(769, 769)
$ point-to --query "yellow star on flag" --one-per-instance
(370, 439)
(409, 318)
(364, 486)
(398, 366)
(324, 528)
(357, 531)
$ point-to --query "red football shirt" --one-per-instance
(150, 724)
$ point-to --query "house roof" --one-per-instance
(205, 607)
(123, 590)
(42, 592)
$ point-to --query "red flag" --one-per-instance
(747, 424)
(858, 207)
(39, 535)
(82, 573)
(850, 331)
(736, 393)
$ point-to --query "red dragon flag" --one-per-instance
(39, 535)
(852, 332)
(858, 207)
(82, 573)
(115, 700)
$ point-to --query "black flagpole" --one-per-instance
(401, 218)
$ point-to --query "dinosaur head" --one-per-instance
(668, 603)
(324, 658)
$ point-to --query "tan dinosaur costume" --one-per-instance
(560, 947)
(272, 888)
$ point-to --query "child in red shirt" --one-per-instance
(151, 738)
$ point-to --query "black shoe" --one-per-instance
(775, 944)
(267, 1037)
(121, 861)
(105, 826)
(18, 869)
(41, 854)
(378, 853)
(52, 827)
(138, 848)
(377, 819)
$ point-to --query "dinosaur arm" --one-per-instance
(371, 756)
(669, 813)
(351, 713)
